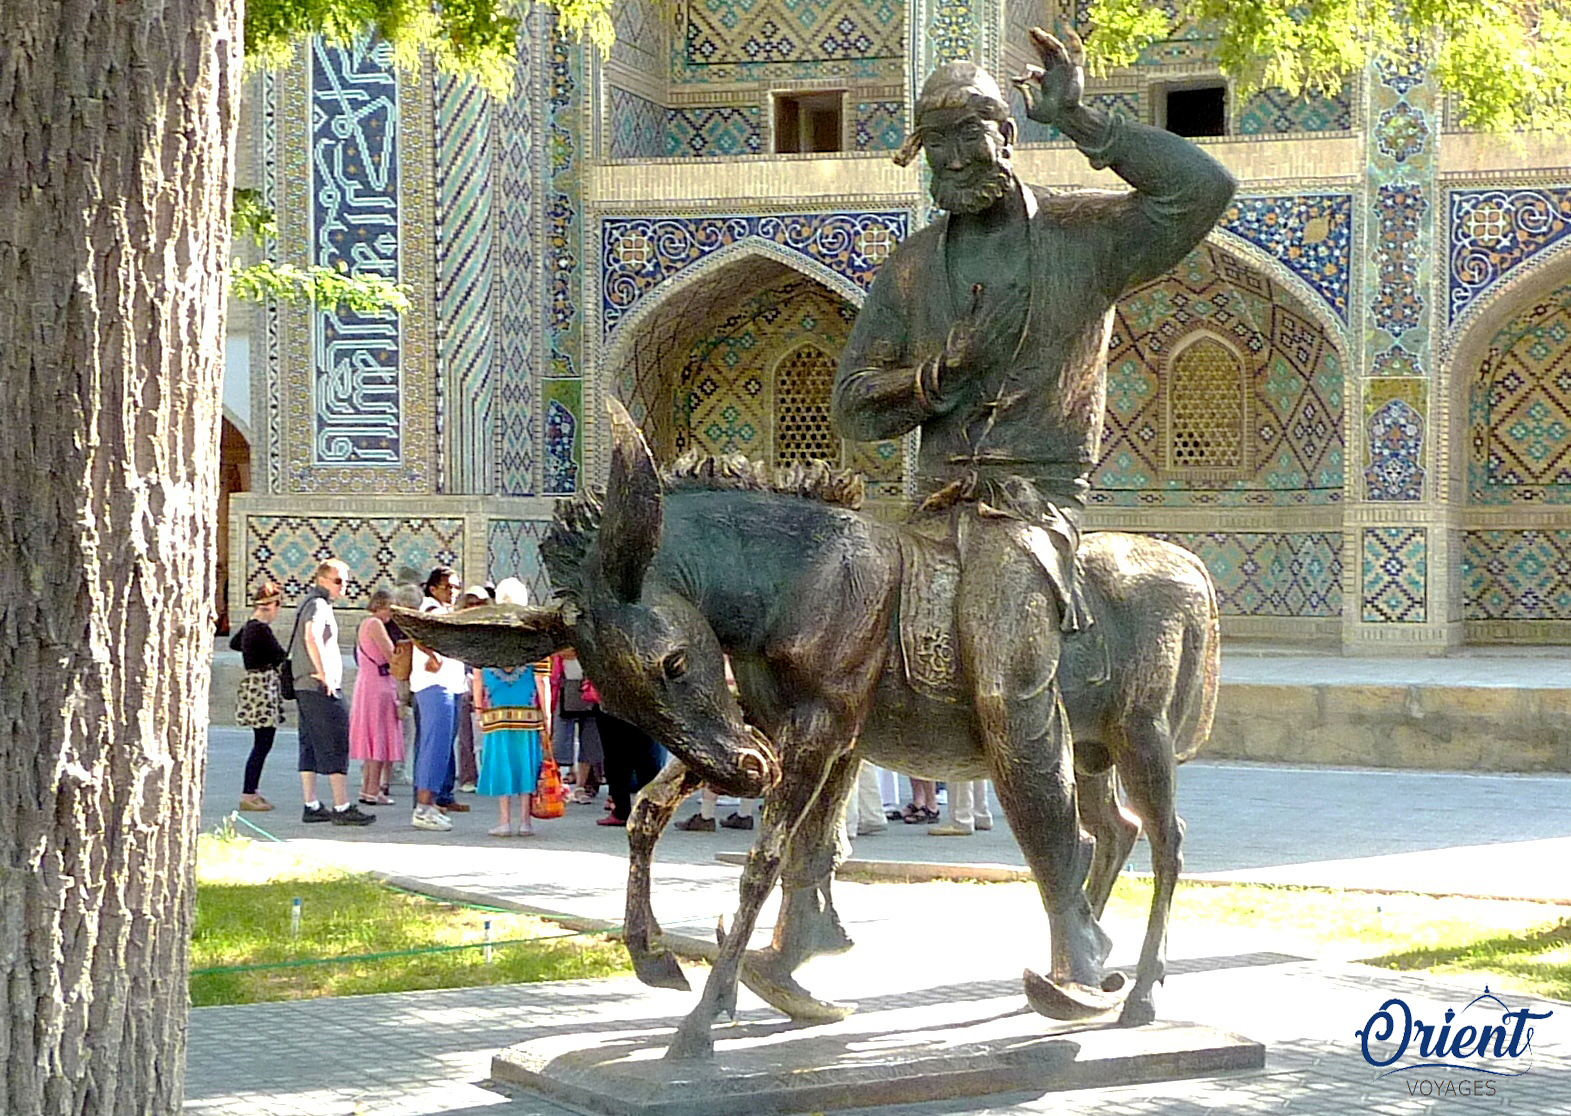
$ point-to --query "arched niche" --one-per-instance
(234, 475)
(702, 362)
(1289, 413)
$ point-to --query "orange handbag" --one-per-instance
(550, 800)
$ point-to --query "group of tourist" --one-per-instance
(406, 694)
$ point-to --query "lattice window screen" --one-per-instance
(1206, 413)
(803, 380)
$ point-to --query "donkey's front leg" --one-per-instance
(805, 770)
(651, 814)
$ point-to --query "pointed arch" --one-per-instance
(630, 361)
(1311, 301)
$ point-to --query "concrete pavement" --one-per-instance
(918, 943)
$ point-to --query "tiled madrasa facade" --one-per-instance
(1353, 401)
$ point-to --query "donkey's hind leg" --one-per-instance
(1114, 828)
(1149, 773)
(652, 812)
(808, 925)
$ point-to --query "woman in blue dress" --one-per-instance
(511, 726)
(512, 706)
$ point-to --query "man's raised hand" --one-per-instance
(1055, 87)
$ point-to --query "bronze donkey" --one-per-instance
(803, 593)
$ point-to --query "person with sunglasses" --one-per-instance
(318, 668)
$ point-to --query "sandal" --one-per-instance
(912, 814)
(370, 800)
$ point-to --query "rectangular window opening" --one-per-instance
(808, 123)
(1198, 110)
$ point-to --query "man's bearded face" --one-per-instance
(966, 154)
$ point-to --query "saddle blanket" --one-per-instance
(929, 643)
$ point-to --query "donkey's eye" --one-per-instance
(674, 665)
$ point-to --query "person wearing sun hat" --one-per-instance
(259, 705)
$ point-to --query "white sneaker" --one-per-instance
(428, 817)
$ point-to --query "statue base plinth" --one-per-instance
(903, 1056)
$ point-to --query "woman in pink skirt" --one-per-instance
(376, 737)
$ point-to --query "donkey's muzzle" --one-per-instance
(759, 765)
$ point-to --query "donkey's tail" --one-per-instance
(1200, 673)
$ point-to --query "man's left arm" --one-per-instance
(1180, 190)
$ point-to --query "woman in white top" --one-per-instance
(436, 681)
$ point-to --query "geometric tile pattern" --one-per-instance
(1270, 573)
(1126, 102)
(287, 549)
(1291, 377)
(640, 36)
(517, 288)
(562, 321)
(748, 40)
(1274, 110)
(513, 550)
(1494, 232)
(273, 369)
(639, 253)
(563, 441)
(1395, 581)
(878, 126)
(713, 131)
(1519, 409)
(638, 126)
(465, 237)
(1395, 451)
(354, 194)
(1516, 575)
(952, 30)
(1399, 195)
(1401, 210)
(1309, 234)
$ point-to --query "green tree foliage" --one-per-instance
(325, 286)
(475, 37)
(1506, 62)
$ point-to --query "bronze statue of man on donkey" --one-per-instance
(988, 332)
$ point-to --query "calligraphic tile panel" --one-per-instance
(357, 413)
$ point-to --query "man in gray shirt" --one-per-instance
(318, 670)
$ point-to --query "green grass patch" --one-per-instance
(357, 935)
(1523, 947)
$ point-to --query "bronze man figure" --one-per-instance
(988, 331)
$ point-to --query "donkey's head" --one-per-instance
(649, 650)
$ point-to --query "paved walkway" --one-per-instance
(920, 943)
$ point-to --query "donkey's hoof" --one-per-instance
(691, 1046)
(1138, 1011)
(1114, 981)
(1068, 1001)
(780, 991)
(661, 970)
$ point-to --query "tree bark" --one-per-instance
(116, 157)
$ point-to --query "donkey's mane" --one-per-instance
(814, 479)
(577, 520)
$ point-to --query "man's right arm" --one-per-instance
(882, 391)
(315, 628)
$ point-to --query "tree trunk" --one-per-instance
(116, 138)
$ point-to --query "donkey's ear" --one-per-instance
(495, 635)
(630, 521)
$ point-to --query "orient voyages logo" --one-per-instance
(1398, 1041)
